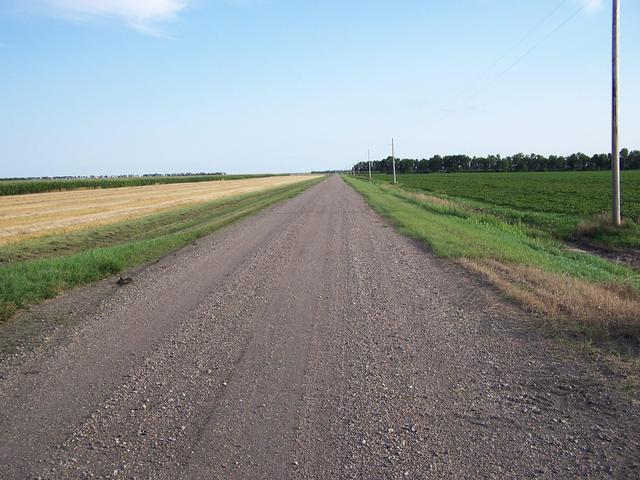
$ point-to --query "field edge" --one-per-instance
(592, 312)
(27, 283)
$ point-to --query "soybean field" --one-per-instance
(581, 193)
(568, 205)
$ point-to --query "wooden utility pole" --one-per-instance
(393, 160)
(369, 162)
(615, 148)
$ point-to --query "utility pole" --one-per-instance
(615, 148)
(393, 160)
(369, 162)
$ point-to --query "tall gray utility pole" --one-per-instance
(369, 162)
(393, 160)
(615, 148)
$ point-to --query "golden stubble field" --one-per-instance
(27, 216)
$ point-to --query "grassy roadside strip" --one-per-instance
(577, 290)
(42, 268)
(563, 205)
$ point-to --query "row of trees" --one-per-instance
(630, 160)
(129, 175)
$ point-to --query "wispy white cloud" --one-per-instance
(143, 15)
(592, 6)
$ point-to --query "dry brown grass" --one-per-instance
(432, 199)
(27, 216)
(611, 308)
(598, 223)
(426, 198)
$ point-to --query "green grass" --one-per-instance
(563, 205)
(583, 294)
(23, 187)
(37, 269)
(453, 231)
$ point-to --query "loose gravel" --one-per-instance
(311, 341)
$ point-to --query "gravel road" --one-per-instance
(310, 341)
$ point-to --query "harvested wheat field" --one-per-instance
(26, 216)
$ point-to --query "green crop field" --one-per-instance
(583, 193)
(567, 205)
(22, 187)
(512, 247)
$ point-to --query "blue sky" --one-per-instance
(124, 86)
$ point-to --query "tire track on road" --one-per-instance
(312, 341)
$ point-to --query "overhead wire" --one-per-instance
(528, 52)
(515, 45)
(529, 33)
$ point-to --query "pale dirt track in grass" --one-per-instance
(26, 216)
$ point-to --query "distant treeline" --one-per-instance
(630, 160)
(129, 175)
(25, 186)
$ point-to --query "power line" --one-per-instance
(530, 32)
(529, 51)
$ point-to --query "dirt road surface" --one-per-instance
(314, 342)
